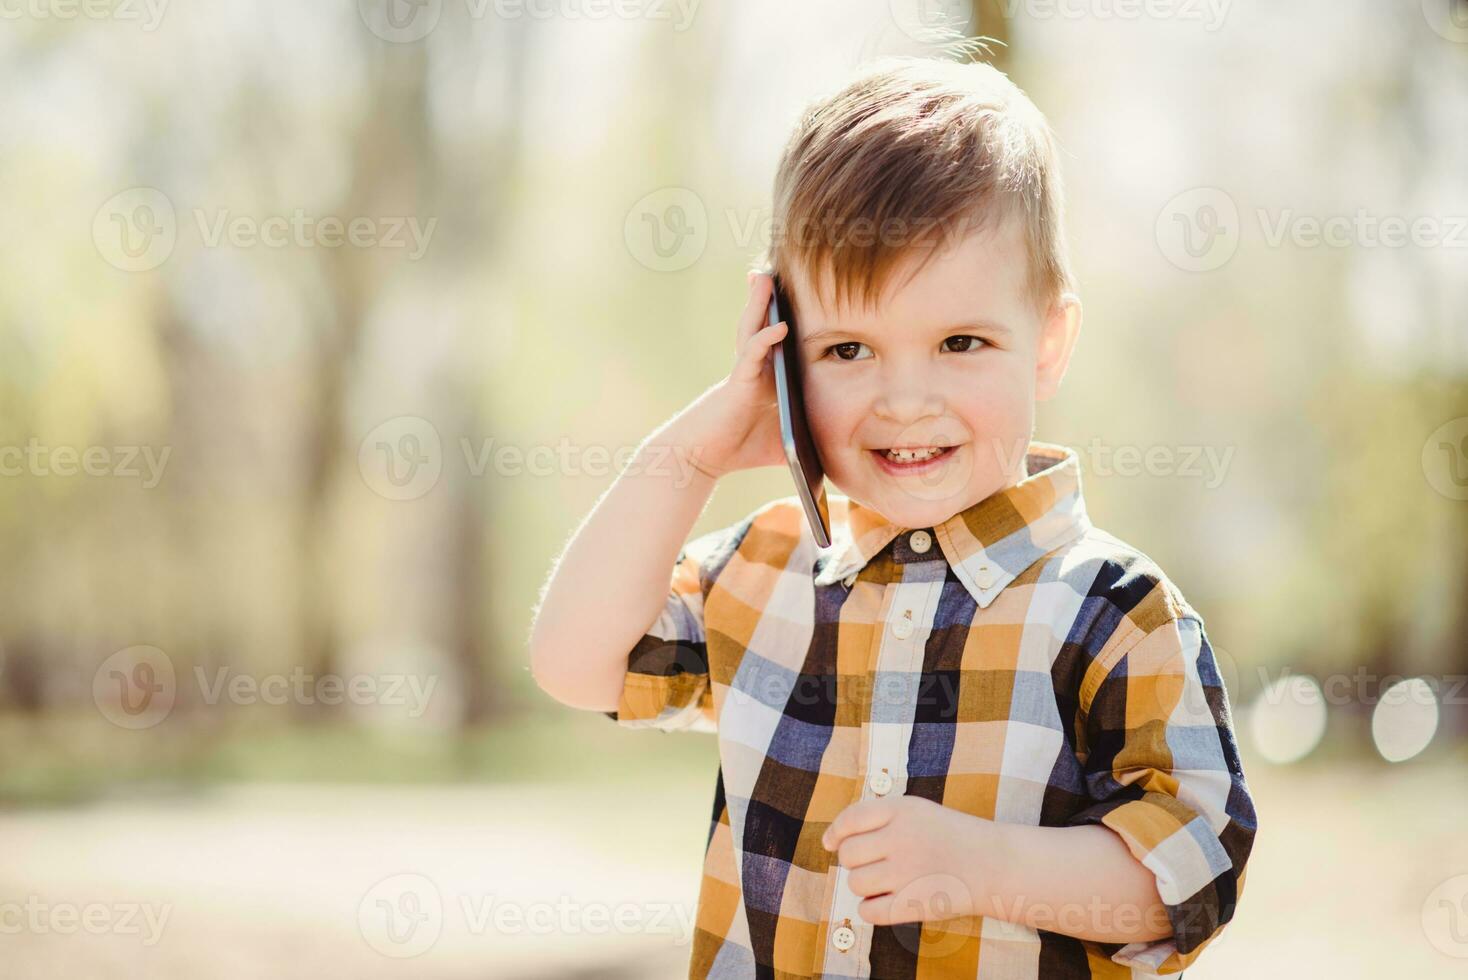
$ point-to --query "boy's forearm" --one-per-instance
(1078, 881)
(611, 581)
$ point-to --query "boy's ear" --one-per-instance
(1058, 335)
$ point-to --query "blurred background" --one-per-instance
(322, 326)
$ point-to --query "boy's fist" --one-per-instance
(735, 424)
(910, 859)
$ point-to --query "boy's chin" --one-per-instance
(905, 509)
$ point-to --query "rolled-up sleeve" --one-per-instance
(1163, 766)
(667, 684)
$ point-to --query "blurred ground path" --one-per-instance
(308, 881)
(288, 881)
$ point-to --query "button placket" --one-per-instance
(885, 765)
(846, 957)
(902, 627)
(881, 782)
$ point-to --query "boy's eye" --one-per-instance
(850, 350)
(967, 342)
(847, 351)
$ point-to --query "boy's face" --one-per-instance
(954, 357)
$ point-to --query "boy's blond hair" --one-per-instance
(910, 156)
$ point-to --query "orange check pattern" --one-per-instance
(1014, 662)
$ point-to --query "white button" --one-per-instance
(902, 628)
(843, 937)
(881, 783)
(849, 580)
(920, 541)
(985, 576)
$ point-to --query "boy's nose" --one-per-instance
(909, 400)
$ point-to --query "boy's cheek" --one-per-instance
(829, 418)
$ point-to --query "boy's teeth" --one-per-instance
(912, 455)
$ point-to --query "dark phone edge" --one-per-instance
(817, 511)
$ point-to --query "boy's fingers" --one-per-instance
(862, 849)
(877, 909)
(879, 878)
(755, 310)
(859, 818)
(752, 360)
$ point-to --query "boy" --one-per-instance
(977, 736)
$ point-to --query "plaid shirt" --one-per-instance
(1013, 662)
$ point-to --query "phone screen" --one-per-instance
(800, 448)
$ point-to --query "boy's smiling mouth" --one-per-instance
(905, 460)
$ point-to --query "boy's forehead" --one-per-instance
(981, 274)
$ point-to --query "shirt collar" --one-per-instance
(989, 543)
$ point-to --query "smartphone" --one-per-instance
(800, 448)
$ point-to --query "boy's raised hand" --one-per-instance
(735, 424)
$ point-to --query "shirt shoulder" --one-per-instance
(1117, 596)
(1125, 594)
(765, 538)
(779, 534)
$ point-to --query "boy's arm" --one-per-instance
(1078, 881)
(1163, 767)
(611, 582)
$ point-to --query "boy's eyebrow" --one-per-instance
(976, 326)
